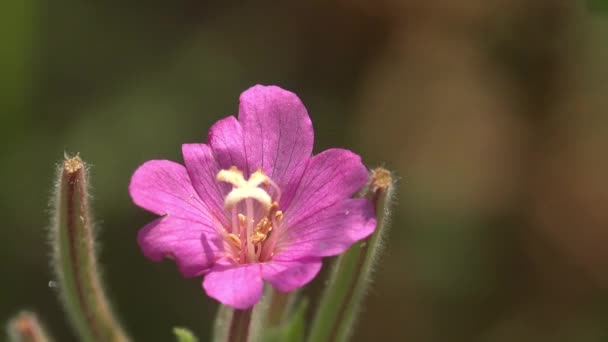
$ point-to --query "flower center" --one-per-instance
(255, 215)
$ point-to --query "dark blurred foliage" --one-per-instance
(493, 114)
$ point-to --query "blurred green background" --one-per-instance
(493, 114)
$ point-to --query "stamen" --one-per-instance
(270, 243)
(262, 230)
(258, 252)
(234, 240)
(276, 188)
(250, 251)
(264, 226)
(257, 238)
(242, 220)
(235, 219)
(250, 241)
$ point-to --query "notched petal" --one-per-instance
(164, 188)
(227, 142)
(277, 132)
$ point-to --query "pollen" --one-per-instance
(71, 165)
(264, 226)
(258, 237)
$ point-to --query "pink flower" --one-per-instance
(253, 203)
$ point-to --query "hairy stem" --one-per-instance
(221, 327)
(239, 327)
(351, 273)
(75, 261)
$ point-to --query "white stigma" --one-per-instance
(244, 189)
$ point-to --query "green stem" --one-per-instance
(350, 276)
(280, 306)
(259, 325)
(223, 320)
(239, 327)
(75, 261)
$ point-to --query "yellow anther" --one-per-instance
(258, 237)
(264, 226)
(242, 220)
(262, 230)
(234, 240)
(278, 215)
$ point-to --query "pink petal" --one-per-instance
(288, 275)
(331, 176)
(328, 232)
(164, 188)
(226, 141)
(238, 286)
(278, 133)
(184, 240)
(202, 169)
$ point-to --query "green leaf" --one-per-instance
(184, 335)
(598, 6)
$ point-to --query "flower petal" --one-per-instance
(331, 176)
(278, 133)
(288, 275)
(328, 232)
(186, 241)
(238, 286)
(203, 168)
(226, 141)
(164, 188)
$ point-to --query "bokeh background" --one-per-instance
(492, 113)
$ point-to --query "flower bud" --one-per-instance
(74, 258)
(25, 327)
